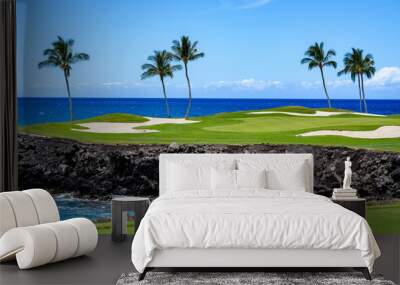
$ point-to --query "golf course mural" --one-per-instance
(102, 92)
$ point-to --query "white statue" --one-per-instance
(347, 174)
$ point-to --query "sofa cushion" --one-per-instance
(7, 220)
(23, 208)
(45, 205)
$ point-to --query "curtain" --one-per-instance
(8, 97)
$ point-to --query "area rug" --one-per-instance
(253, 278)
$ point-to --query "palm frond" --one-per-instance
(330, 53)
(47, 63)
(176, 57)
(49, 51)
(355, 64)
(176, 44)
(79, 57)
(197, 56)
(341, 72)
(61, 55)
(152, 57)
(59, 39)
(176, 67)
(312, 65)
(315, 56)
(148, 74)
(306, 60)
(160, 64)
(148, 66)
(184, 50)
(331, 63)
(368, 66)
(70, 42)
(369, 57)
(194, 44)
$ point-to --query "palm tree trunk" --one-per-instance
(326, 92)
(69, 97)
(359, 91)
(165, 98)
(189, 106)
(363, 93)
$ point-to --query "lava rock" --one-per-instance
(99, 171)
(396, 175)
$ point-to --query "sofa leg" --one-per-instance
(142, 275)
(365, 272)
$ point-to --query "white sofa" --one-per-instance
(31, 231)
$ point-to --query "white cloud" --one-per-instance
(245, 84)
(310, 84)
(109, 84)
(244, 4)
(385, 77)
(253, 4)
(61, 84)
(339, 83)
(121, 84)
(330, 83)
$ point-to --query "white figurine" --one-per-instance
(347, 174)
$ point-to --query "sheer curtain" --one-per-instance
(8, 97)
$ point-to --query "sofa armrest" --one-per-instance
(32, 246)
(41, 244)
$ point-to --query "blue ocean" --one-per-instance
(72, 208)
(44, 110)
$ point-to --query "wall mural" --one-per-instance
(104, 89)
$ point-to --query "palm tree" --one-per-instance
(316, 57)
(368, 69)
(352, 64)
(61, 55)
(186, 51)
(160, 65)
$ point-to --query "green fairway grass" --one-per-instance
(104, 227)
(383, 218)
(303, 110)
(115, 118)
(236, 128)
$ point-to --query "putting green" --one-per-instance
(279, 123)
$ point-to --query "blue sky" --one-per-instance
(253, 47)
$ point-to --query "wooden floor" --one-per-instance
(111, 259)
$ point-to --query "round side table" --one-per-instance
(119, 213)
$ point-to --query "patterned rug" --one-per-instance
(244, 278)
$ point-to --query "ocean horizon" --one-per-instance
(46, 110)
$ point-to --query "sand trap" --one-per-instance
(129, 128)
(386, 132)
(316, 114)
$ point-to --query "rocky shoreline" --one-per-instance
(97, 171)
